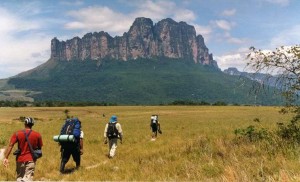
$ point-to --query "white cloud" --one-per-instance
(205, 31)
(30, 8)
(98, 19)
(226, 37)
(155, 10)
(10, 23)
(288, 37)
(234, 40)
(184, 15)
(104, 18)
(234, 59)
(24, 54)
(229, 12)
(223, 24)
(19, 40)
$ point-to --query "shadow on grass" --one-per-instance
(69, 171)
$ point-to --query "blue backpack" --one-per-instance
(71, 127)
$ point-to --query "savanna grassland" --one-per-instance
(198, 143)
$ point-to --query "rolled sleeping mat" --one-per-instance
(64, 138)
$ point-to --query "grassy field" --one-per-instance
(198, 143)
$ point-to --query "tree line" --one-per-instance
(78, 104)
(51, 104)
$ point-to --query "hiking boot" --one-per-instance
(77, 167)
(62, 167)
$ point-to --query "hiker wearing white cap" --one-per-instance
(28, 141)
(155, 126)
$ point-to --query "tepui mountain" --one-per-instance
(150, 64)
(167, 38)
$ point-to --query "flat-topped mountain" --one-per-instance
(167, 38)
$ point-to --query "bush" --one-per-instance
(291, 131)
(288, 133)
(252, 133)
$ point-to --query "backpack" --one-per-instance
(154, 120)
(112, 131)
(71, 127)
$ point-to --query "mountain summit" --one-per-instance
(167, 38)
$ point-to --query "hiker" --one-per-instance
(25, 162)
(112, 132)
(155, 126)
(72, 126)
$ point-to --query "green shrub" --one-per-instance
(252, 133)
(284, 136)
(290, 131)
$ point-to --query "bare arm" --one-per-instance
(105, 134)
(7, 152)
(105, 130)
(119, 128)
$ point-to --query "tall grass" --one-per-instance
(198, 143)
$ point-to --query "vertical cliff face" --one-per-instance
(141, 39)
(167, 38)
(176, 40)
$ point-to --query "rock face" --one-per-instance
(167, 38)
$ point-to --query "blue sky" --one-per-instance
(229, 27)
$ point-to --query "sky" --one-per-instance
(229, 27)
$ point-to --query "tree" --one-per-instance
(283, 64)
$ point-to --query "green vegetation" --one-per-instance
(283, 62)
(76, 104)
(198, 144)
(4, 85)
(138, 82)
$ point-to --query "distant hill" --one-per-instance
(267, 79)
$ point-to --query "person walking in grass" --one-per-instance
(155, 126)
(112, 132)
(75, 148)
(25, 163)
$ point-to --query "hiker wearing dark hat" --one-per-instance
(25, 160)
(112, 132)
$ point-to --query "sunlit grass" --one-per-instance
(198, 143)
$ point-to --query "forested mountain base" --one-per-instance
(138, 82)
